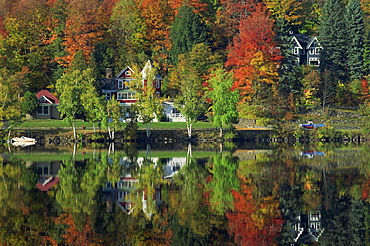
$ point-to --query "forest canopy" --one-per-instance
(40, 40)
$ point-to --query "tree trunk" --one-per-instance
(148, 129)
(189, 154)
(74, 131)
(189, 128)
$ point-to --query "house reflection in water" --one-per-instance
(122, 192)
(307, 228)
(47, 174)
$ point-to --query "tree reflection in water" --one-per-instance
(125, 196)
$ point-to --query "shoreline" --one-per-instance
(64, 135)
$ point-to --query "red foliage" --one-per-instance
(365, 86)
(242, 224)
(255, 37)
(366, 190)
(232, 12)
(73, 236)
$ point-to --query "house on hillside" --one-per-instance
(172, 113)
(48, 106)
(305, 50)
(118, 87)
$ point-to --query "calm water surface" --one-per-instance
(185, 195)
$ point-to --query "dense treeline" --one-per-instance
(41, 41)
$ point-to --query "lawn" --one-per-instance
(79, 124)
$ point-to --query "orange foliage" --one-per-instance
(365, 87)
(243, 221)
(83, 29)
(158, 16)
(197, 4)
(73, 236)
(253, 54)
(366, 190)
(231, 13)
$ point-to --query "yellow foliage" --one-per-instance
(285, 9)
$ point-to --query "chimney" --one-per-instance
(108, 73)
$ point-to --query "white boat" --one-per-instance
(22, 144)
(24, 139)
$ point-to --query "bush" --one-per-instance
(230, 135)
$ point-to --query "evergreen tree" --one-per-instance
(355, 46)
(289, 72)
(332, 36)
(366, 54)
(187, 30)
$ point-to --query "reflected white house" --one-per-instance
(307, 228)
(123, 191)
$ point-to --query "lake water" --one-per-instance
(252, 194)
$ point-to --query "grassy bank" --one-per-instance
(36, 123)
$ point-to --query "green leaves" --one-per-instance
(223, 98)
(10, 106)
(77, 94)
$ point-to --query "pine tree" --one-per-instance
(355, 46)
(332, 37)
(187, 30)
(288, 72)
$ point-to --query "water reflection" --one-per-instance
(140, 195)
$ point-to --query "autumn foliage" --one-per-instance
(72, 235)
(253, 56)
(245, 222)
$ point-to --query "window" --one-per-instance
(176, 111)
(120, 196)
(108, 96)
(314, 61)
(43, 110)
(128, 72)
(120, 84)
(312, 51)
(108, 185)
(296, 51)
(125, 95)
(43, 170)
(158, 84)
(317, 51)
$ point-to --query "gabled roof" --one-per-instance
(312, 40)
(123, 72)
(47, 185)
(48, 96)
(297, 42)
(302, 39)
(146, 70)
